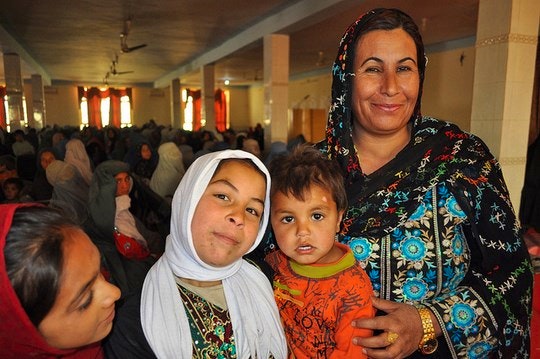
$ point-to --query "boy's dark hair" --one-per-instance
(14, 180)
(304, 167)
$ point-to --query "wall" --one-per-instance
(62, 108)
(447, 95)
(60, 104)
(448, 86)
(239, 108)
(151, 103)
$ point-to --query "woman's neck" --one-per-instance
(374, 150)
(202, 284)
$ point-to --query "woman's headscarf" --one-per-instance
(41, 189)
(255, 319)
(19, 338)
(102, 196)
(169, 171)
(70, 190)
(338, 143)
(77, 156)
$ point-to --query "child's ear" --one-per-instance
(340, 217)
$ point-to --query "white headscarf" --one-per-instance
(169, 170)
(77, 156)
(253, 311)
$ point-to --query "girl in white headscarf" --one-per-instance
(219, 213)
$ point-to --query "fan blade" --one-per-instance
(129, 49)
(123, 72)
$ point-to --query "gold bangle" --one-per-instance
(429, 343)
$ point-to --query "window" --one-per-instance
(125, 111)
(102, 107)
(188, 111)
(9, 114)
(84, 112)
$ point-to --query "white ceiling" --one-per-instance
(77, 41)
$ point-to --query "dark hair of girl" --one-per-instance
(34, 258)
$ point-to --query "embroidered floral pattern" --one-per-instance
(413, 237)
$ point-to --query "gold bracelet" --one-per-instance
(429, 343)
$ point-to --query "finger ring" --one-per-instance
(392, 337)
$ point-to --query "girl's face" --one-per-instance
(123, 183)
(227, 218)
(46, 159)
(84, 308)
(386, 83)
(146, 154)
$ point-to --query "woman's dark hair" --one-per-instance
(34, 258)
(390, 19)
(306, 166)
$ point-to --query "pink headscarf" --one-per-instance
(19, 338)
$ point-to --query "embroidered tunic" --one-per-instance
(211, 328)
(435, 227)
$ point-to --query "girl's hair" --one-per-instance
(34, 258)
(241, 160)
(304, 167)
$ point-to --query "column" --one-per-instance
(506, 41)
(14, 91)
(276, 88)
(208, 118)
(176, 104)
(38, 103)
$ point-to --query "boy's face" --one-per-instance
(227, 218)
(305, 230)
(11, 191)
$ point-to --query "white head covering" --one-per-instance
(253, 311)
(169, 170)
(77, 156)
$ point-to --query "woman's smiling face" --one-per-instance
(386, 83)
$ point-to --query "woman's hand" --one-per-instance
(401, 319)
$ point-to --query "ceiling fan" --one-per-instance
(124, 48)
(114, 72)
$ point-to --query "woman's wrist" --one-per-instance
(428, 344)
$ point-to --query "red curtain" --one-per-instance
(94, 96)
(116, 94)
(220, 108)
(2, 108)
(196, 95)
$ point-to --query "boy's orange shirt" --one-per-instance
(317, 304)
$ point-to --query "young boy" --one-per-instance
(319, 287)
(12, 188)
